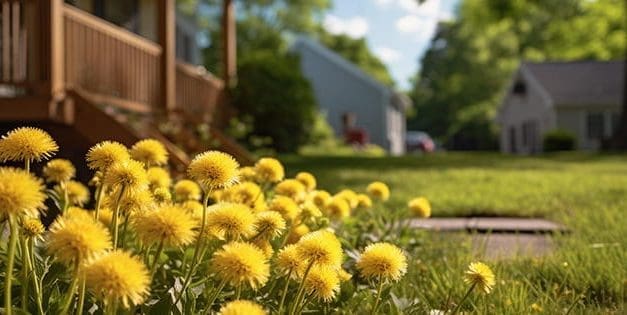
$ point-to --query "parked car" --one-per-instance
(419, 141)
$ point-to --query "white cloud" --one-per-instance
(388, 55)
(383, 3)
(421, 19)
(409, 24)
(354, 27)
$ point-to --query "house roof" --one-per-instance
(581, 82)
(398, 99)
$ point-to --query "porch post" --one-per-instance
(52, 56)
(166, 16)
(229, 46)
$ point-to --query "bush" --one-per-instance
(273, 91)
(558, 140)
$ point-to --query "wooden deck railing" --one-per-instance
(13, 43)
(109, 62)
(197, 92)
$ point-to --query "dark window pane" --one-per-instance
(595, 125)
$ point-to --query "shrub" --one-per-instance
(272, 90)
(558, 140)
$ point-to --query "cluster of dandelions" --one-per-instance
(227, 239)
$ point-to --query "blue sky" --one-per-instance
(398, 31)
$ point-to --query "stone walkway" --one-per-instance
(500, 238)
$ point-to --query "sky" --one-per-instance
(397, 31)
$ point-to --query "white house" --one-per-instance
(582, 97)
(340, 88)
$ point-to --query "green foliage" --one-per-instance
(470, 62)
(273, 91)
(558, 140)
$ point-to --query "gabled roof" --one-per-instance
(580, 82)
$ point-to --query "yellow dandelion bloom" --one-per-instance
(117, 276)
(296, 233)
(105, 216)
(269, 224)
(265, 247)
(194, 208)
(77, 213)
(21, 193)
(27, 144)
(104, 154)
(350, 197)
(241, 263)
(379, 190)
(186, 189)
(286, 206)
(481, 276)
(291, 188)
(158, 177)
(168, 223)
(320, 248)
(129, 174)
(363, 201)
(307, 179)
(59, 170)
(288, 259)
(231, 220)
(150, 152)
(137, 201)
(78, 194)
(420, 207)
(32, 227)
(344, 275)
(76, 238)
(245, 192)
(322, 283)
(269, 170)
(338, 208)
(242, 307)
(247, 173)
(320, 198)
(382, 260)
(309, 209)
(214, 170)
(162, 195)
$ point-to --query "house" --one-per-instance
(94, 70)
(342, 89)
(581, 97)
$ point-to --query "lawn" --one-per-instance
(587, 193)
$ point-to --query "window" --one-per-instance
(595, 125)
(519, 88)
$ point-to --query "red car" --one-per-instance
(419, 141)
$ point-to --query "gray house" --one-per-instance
(583, 98)
(342, 88)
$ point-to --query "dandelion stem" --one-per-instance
(81, 298)
(72, 289)
(33, 270)
(155, 262)
(66, 197)
(238, 291)
(27, 165)
(25, 271)
(116, 214)
(378, 298)
(301, 289)
(215, 296)
(459, 305)
(124, 228)
(101, 189)
(284, 294)
(9, 266)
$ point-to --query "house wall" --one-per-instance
(396, 130)
(531, 113)
(575, 120)
(339, 91)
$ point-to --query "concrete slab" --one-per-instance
(507, 246)
(494, 225)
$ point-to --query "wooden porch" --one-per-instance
(63, 65)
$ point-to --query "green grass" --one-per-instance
(586, 193)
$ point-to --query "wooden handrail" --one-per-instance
(198, 92)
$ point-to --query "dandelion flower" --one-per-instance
(379, 190)
(382, 260)
(231, 220)
(481, 276)
(288, 259)
(75, 238)
(32, 227)
(338, 208)
(21, 193)
(420, 207)
(242, 307)
(194, 208)
(169, 224)
(269, 170)
(105, 216)
(186, 189)
(291, 188)
(245, 192)
(344, 275)
(296, 233)
(265, 246)
(129, 174)
(320, 198)
(241, 263)
(307, 179)
(363, 201)
(285, 206)
(105, 154)
(27, 144)
(150, 152)
(77, 193)
(320, 248)
(247, 173)
(162, 195)
(138, 201)
(214, 170)
(350, 197)
(59, 170)
(269, 224)
(117, 276)
(309, 209)
(158, 177)
(323, 283)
